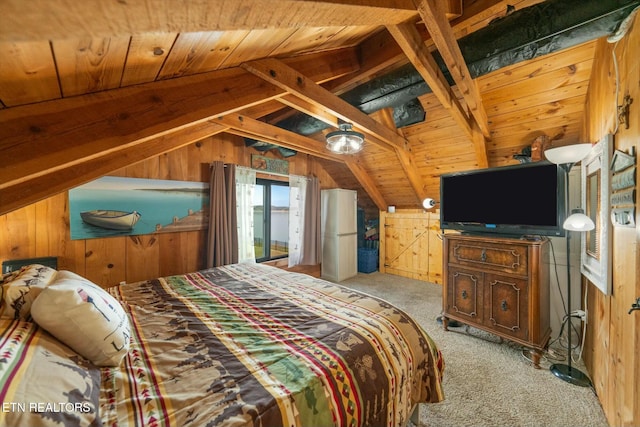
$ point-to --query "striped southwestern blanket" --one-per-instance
(240, 345)
(253, 345)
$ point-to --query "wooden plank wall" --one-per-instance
(612, 346)
(522, 102)
(42, 229)
(411, 244)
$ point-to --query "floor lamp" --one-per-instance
(566, 157)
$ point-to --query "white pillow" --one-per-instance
(85, 317)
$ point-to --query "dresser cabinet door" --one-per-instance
(464, 294)
(506, 305)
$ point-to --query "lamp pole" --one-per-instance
(568, 314)
(565, 157)
(567, 372)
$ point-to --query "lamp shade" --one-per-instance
(578, 221)
(345, 140)
(428, 203)
(568, 153)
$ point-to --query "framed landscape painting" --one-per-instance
(117, 206)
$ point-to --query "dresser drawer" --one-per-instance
(494, 256)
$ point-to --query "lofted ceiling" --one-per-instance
(90, 87)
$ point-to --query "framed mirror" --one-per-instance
(592, 210)
(596, 187)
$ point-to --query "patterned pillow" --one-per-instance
(8, 277)
(21, 287)
(85, 317)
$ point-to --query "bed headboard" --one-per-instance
(14, 264)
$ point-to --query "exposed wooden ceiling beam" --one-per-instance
(66, 131)
(383, 130)
(57, 138)
(434, 16)
(54, 135)
(411, 43)
(380, 53)
(369, 185)
(51, 182)
(64, 19)
(480, 147)
(252, 128)
(319, 112)
(310, 108)
(296, 83)
(386, 118)
(262, 110)
(406, 158)
(324, 105)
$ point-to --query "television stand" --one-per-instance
(499, 285)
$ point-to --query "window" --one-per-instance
(271, 224)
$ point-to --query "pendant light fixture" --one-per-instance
(345, 140)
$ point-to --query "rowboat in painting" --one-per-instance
(110, 219)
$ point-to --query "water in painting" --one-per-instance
(163, 205)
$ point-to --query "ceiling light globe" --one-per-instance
(345, 140)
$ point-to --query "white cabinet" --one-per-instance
(339, 234)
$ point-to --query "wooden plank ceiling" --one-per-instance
(89, 87)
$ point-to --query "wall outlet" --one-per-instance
(581, 314)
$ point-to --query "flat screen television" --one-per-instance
(520, 200)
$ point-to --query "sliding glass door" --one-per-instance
(271, 219)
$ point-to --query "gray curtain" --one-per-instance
(312, 249)
(222, 243)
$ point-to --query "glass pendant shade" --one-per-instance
(345, 140)
(568, 153)
(578, 221)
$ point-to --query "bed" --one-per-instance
(239, 345)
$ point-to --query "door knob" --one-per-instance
(635, 305)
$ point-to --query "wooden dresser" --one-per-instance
(499, 285)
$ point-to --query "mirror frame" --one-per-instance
(596, 188)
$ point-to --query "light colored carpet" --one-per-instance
(486, 383)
